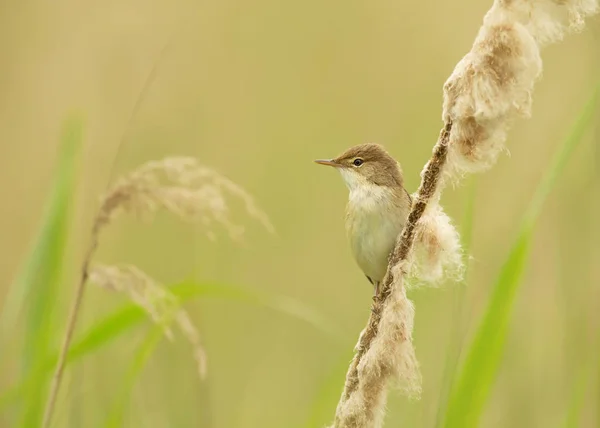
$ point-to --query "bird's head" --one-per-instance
(365, 165)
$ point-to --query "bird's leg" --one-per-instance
(375, 294)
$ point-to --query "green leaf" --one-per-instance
(118, 323)
(140, 358)
(476, 378)
(37, 284)
(285, 305)
(103, 332)
(457, 334)
(577, 399)
(587, 370)
(43, 267)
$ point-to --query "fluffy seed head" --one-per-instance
(160, 304)
(489, 87)
(437, 253)
(492, 85)
(183, 187)
(389, 361)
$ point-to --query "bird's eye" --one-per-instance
(357, 162)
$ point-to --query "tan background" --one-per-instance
(258, 90)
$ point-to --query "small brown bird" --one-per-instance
(378, 205)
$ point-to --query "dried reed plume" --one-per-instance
(437, 251)
(162, 305)
(179, 185)
(489, 88)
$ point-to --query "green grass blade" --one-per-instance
(102, 333)
(121, 321)
(282, 304)
(587, 372)
(140, 359)
(457, 333)
(577, 398)
(43, 265)
(38, 282)
(476, 378)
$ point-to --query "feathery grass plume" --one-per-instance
(489, 88)
(437, 252)
(185, 188)
(141, 289)
(389, 359)
(181, 186)
(492, 85)
(162, 305)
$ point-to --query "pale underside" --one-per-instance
(375, 216)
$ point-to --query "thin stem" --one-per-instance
(148, 81)
(99, 222)
(71, 322)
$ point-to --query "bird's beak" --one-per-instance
(329, 162)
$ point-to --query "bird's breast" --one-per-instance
(373, 222)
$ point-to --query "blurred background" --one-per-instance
(257, 90)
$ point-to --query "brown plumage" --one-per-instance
(378, 205)
(378, 166)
